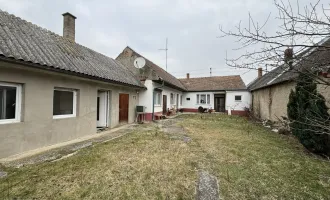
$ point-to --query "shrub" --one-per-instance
(200, 109)
(306, 112)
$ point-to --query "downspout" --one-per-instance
(153, 101)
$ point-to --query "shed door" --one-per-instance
(123, 107)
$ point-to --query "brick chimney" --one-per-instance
(188, 75)
(69, 26)
(288, 56)
(259, 72)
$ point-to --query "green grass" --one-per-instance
(249, 161)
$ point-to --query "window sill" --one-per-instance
(14, 121)
(158, 105)
(63, 116)
(237, 101)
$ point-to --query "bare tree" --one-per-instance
(301, 29)
(301, 44)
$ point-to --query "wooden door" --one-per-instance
(164, 104)
(123, 107)
(222, 104)
(217, 104)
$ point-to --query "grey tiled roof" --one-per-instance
(313, 57)
(214, 83)
(24, 41)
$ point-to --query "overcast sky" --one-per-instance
(191, 26)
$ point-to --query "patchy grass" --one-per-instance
(250, 162)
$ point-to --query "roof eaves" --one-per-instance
(64, 71)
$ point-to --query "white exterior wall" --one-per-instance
(193, 99)
(238, 105)
(145, 96)
(167, 91)
(230, 100)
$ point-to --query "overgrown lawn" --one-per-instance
(250, 162)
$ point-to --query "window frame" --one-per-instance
(74, 109)
(18, 103)
(158, 93)
(238, 96)
(172, 99)
(207, 99)
(201, 99)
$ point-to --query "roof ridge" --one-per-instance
(32, 43)
(209, 77)
(28, 22)
(51, 32)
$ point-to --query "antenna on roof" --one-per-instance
(166, 49)
(210, 71)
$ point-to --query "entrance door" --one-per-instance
(123, 107)
(102, 109)
(222, 104)
(219, 103)
(177, 101)
(164, 104)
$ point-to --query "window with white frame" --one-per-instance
(172, 98)
(157, 97)
(64, 103)
(203, 99)
(10, 102)
(238, 97)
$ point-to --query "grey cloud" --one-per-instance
(191, 26)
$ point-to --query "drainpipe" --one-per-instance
(153, 100)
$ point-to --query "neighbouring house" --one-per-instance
(53, 89)
(221, 93)
(270, 92)
(163, 89)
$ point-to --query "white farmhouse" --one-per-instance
(221, 93)
(165, 93)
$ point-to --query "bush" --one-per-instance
(306, 111)
(200, 109)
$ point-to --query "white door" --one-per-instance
(102, 109)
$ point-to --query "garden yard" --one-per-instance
(161, 161)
